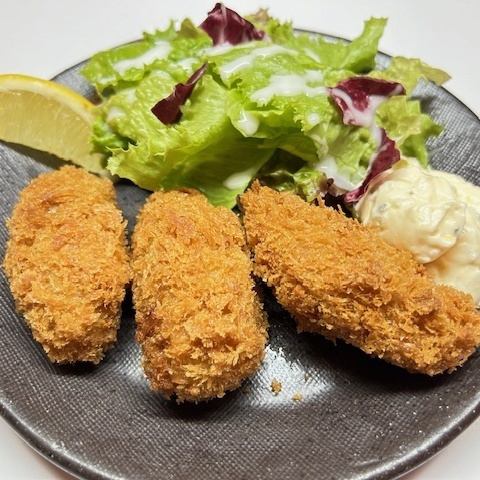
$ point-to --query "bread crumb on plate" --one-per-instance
(276, 386)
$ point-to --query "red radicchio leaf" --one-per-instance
(359, 97)
(223, 25)
(168, 110)
(386, 155)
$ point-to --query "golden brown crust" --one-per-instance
(338, 278)
(67, 263)
(199, 322)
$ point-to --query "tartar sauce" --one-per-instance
(435, 215)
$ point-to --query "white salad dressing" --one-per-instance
(329, 167)
(363, 118)
(376, 132)
(158, 52)
(247, 123)
(219, 49)
(312, 54)
(130, 94)
(187, 63)
(159, 74)
(108, 79)
(114, 113)
(246, 60)
(435, 215)
(289, 86)
(239, 180)
(313, 119)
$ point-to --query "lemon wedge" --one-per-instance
(47, 116)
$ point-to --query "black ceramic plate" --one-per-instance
(359, 418)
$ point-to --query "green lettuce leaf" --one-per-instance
(128, 112)
(203, 151)
(282, 98)
(175, 52)
(105, 139)
(287, 173)
(261, 109)
(409, 71)
(357, 56)
(405, 123)
(210, 154)
(352, 149)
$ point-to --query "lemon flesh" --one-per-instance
(47, 116)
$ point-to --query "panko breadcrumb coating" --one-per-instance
(199, 322)
(67, 263)
(338, 278)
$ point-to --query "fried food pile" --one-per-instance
(337, 277)
(199, 322)
(67, 263)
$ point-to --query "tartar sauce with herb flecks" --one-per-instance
(435, 215)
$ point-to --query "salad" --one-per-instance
(215, 105)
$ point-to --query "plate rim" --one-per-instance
(390, 471)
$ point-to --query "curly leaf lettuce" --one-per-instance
(261, 108)
(358, 56)
(203, 151)
(168, 50)
(409, 71)
(405, 123)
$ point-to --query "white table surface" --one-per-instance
(42, 37)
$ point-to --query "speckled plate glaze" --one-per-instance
(359, 417)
